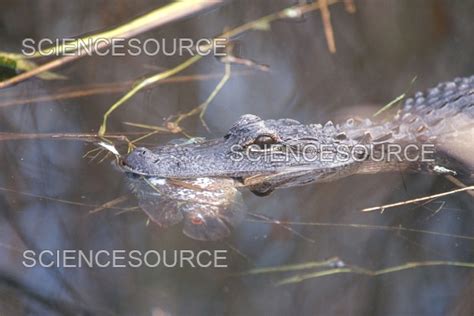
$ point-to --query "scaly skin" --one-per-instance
(441, 115)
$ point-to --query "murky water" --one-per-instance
(48, 189)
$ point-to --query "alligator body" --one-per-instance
(268, 154)
(197, 182)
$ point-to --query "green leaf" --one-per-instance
(6, 62)
(12, 64)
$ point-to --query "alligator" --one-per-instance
(432, 132)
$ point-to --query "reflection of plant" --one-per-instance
(154, 19)
(259, 24)
(337, 266)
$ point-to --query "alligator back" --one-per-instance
(442, 113)
(444, 116)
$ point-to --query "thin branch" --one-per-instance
(36, 71)
(424, 198)
(459, 183)
(85, 137)
(111, 205)
(201, 109)
(372, 227)
(144, 83)
(293, 267)
(107, 88)
(158, 17)
(328, 30)
(291, 12)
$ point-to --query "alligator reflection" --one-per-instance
(208, 207)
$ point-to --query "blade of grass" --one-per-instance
(290, 12)
(142, 84)
(374, 273)
(158, 17)
(396, 100)
(372, 227)
(141, 24)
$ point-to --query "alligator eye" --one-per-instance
(142, 152)
(264, 140)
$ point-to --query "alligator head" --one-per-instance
(263, 154)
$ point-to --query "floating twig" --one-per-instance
(412, 201)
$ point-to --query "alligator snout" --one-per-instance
(135, 160)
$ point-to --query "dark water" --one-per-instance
(48, 189)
